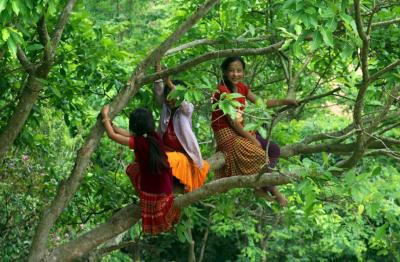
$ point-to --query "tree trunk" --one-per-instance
(26, 101)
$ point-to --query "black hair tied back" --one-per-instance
(224, 67)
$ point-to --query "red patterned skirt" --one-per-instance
(242, 157)
(157, 210)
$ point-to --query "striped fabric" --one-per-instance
(157, 211)
(242, 157)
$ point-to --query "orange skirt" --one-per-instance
(188, 174)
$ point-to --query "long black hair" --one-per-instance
(224, 67)
(141, 124)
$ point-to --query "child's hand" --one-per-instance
(105, 111)
(169, 83)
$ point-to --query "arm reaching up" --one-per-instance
(123, 138)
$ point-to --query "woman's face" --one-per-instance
(235, 72)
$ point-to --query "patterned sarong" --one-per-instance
(242, 157)
(157, 211)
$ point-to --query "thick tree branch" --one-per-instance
(44, 38)
(359, 104)
(388, 141)
(380, 152)
(206, 41)
(311, 98)
(378, 74)
(303, 149)
(342, 134)
(365, 40)
(208, 56)
(128, 216)
(333, 147)
(62, 21)
(25, 62)
(385, 23)
(41, 28)
(157, 53)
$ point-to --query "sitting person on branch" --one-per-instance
(184, 156)
(151, 174)
(244, 152)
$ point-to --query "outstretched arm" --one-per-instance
(282, 102)
(273, 102)
(158, 86)
(112, 134)
(121, 131)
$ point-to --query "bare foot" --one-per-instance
(282, 201)
(261, 193)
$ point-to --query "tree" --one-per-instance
(37, 72)
(316, 49)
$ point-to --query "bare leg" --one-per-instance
(281, 199)
(261, 192)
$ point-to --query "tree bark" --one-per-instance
(130, 215)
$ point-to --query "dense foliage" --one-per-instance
(336, 211)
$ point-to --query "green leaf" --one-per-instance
(3, 4)
(252, 30)
(52, 7)
(262, 131)
(327, 36)
(325, 158)
(360, 210)
(233, 96)
(313, 21)
(227, 108)
(347, 51)
(12, 47)
(286, 44)
(250, 126)
(310, 10)
(289, 4)
(5, 34)
(15, 4)
(298, 29)
(56, 91)
(380, 232)
(34, 47)
(317, 40)
(286, 34)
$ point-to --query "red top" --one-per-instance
(218, 119)
(150, 182)
(170, 139)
